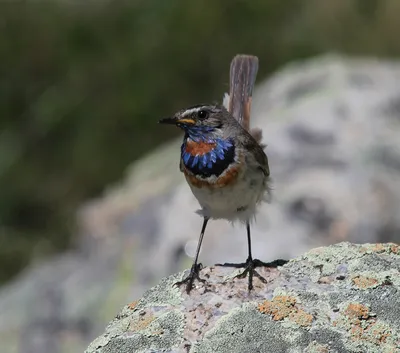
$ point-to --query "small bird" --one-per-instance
(226, 169)
(224, 164)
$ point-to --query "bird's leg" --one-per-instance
(251, 264)
(195, 269)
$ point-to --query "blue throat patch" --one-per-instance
(211, 163)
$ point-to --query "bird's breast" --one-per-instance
(199, 148)
(228, 177)
(207, 159)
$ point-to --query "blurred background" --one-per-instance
(82, 85)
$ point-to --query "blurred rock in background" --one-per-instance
(82, 83)
(81, 88)
(332, 127)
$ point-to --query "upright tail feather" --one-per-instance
(243, 75)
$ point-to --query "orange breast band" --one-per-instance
(199, 148)
(228, 178)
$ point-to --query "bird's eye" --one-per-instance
(202, 114)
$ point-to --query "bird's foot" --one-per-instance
(250, 269)
(194, 274)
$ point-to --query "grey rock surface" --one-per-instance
(331, 125)
(341, 298)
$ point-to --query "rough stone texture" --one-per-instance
(312, 304)
(332, 125)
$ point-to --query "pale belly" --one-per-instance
(237, 201)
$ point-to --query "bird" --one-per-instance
(227, 171)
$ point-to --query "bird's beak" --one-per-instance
(175, 121)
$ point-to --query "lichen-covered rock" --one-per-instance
(332, 128)
(341, 298)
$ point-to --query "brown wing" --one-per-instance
(259, 155)
(262, 158)
(249, 143)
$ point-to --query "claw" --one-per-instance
(194, 274)
(250, 269)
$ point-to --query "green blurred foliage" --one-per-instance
(82, 85)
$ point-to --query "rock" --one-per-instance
(332, 127)
(340, 298)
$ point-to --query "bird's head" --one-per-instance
(199, 122)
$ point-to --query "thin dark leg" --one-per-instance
(195, 269)
(250, 264)
(249, 240)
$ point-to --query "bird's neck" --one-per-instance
(200, 133)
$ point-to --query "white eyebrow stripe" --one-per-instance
(191, 111)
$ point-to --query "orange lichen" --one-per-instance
(370, 332)
(380, 334)
(199, 148)
(141, 322)
(357, 311)
(364, 326)
(283, 306)
(364, 282)
(395, 249)
(279, 307)
(378, 248)
(381, 248)
(133, 304)
(301, 318)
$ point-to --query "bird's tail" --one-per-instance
(243, 75)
